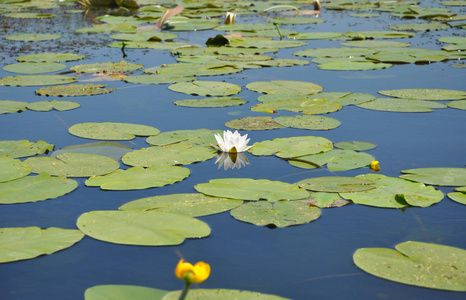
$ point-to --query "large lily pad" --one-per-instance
(36, 80)
(11, 168)
(108, 67)
(206, 88)
(29, 242)
(123, 292)
(425, 94)
(393, 192)
(193, 205)
(49, 57)
(251, 189)
(306, 105)
(336, 184)
(198, 137)
(34, 68)
(292, 147)
(144, 228)
(35, 188)
(137, 178)
(353, 66)
(284, 86)
(74, 90)
(415, 263)
(437, 176)
(111, 130)
(224, 294)
(24, 148)
(113, 150)
(401, 105)
(253, 123)
(211, 102)
(308, 122)
(33, 37)
(73, 165)
(279, 214)
(170, 155)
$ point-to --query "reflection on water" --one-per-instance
(231, 160)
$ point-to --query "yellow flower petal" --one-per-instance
(201, 272)
(197, 273)
(374, 166)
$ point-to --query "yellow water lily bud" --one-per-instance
(192, 274)
(374, 166)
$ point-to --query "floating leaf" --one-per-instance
(49, 57)
(306, 105)
(111, 130)
(355, 145)
(419, 26)
(73, 165)
(315, 35)
(170, 155)
(8, 106)
(344, 52)
(24, 148)
(143, 36)
(159, 78)
(123, 292)
(336, 160)
(336, 184)
(108, 67)
(437, 176)
(388, 34)
(280, 213)
(11, 168)
(353, 66)
(74, 90)
(193, 205)
(294, 21)
(198, 137)
(34, 68)
(36, 80)
(375, 44)
(35, 188)
(308, 122)
(250, 189)
(401, 105)
(459, 197)
(425, 94)
(29, 242)
(253, 123)
(292, 147)
(458, 104)
(113, 150)
(224, 294)
(150, 45)
(326, 200)
(137, 178)
(393, 192)
(143, 228)
(211, 102)
(190, 24)
(415, 263)
(29, 15)
(284, 86)
(206, 88)
(198, 69)
(33, 37)
(54, 104)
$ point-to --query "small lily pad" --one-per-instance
(112, 130)
(29, 242)
(206, 88)
(279, 214)
(74, 90)
(355, 145)
(437, 176)
(137, 178)
(11, 168)
(54, 104)
(211, 102)
(193, 205)
(415, 263)
(143, 228)
(336, 184)
(253, 123)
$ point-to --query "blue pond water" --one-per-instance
(312, 261)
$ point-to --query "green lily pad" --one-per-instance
(199, 69)
(22, 243)
(294, 21)
(198, 137)
(437, 176)
(355, 145)
(179, 23)
(401, 105)
(73, 165)
(111, 130)
(251, 189)
(365, 15)
(123, 292)
(143, 36)
(306, 105)
(284, 86)
(49, 57)
(11, 169)
(458, 104)
(292, 147)
(336, 160)
(315, 35)
(8, 106)
(336, 184)
(419, 26)
(159, 78)
(425, 94)
(344, 52)
(36, 80)
(354, 99)
(393, 192)
(35, 188)
(308, 122)
(224, 294)
(143, 228)
(353, 66)
(25, 15)
(150, 45)
(74, 90)
(194, 205)
(388, 34)
(253, 123)
(113, 150)
(459, 197)
(54, 104)
(170, 155)
(24, 148)
(280, 213)
(108, 67)
(211, 102)
(206, 88)
(137, 178)
(34, 68)
(375, 44)
(107, 28)
(326, 200)
(415, 263)
(33, 37)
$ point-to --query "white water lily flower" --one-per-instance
(232, 142)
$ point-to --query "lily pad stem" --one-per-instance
(185, 291)
(278, 29)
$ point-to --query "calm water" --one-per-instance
(312, 261)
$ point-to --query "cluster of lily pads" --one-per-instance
(170, 219)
